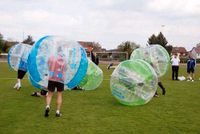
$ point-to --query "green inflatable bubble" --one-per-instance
(133, 82)
(93, 77)
(155, 55)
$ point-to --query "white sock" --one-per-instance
(16, 85)
(19, 84)
(57, 111)
(48, 106)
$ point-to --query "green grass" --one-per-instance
(97, 112)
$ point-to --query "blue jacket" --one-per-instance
(191, 63)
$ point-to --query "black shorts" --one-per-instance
(43, 92)
(52, 85)
(190, 70)
(20, 74)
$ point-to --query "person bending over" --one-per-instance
(21, 73)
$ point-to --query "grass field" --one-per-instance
(97, 112)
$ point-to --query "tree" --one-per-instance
(128, 47)
(29, 40)
(7, 45)
(169, 48)
(1, 43)
(161, 40)
(96, 47)
(152, 39)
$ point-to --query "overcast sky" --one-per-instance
(108, 22)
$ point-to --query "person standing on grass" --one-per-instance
(175, 67)
(92, 56)
(96, 59)
(57, 69)
(159, 84)
(191, 63)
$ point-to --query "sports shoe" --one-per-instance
(46, 114)
(192, 80)
(156, 95)
(34, 94)
(58, 114)
(16, 85)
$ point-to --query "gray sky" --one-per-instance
(108, 22)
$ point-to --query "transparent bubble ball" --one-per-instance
(57, 58)
(93, 77)
(133, 82)
(18, 56)
(155, 55)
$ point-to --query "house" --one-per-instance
(196, 51)
(181, 51)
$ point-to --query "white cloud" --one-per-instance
(108, 22)
(180, 7)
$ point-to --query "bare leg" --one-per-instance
(48, 102)
(189, 77)
(59, 101)
(192, 76)
(48, 98)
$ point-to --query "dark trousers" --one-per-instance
(161, 87)
(175, 72)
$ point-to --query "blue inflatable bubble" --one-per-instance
(18, 56)
(33, 83)
(57, 59)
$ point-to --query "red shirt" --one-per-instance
(57, 67)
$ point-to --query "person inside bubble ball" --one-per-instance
(20, 73)
(161, 87)
(57, 69)
(159, 84)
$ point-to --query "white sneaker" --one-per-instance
(16, 85)
(192, 80)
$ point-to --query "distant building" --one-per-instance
(181, 51)
(113, 50)
(103, 50)
(196, 51)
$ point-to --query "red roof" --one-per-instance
(179, 50)
(197, 49)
